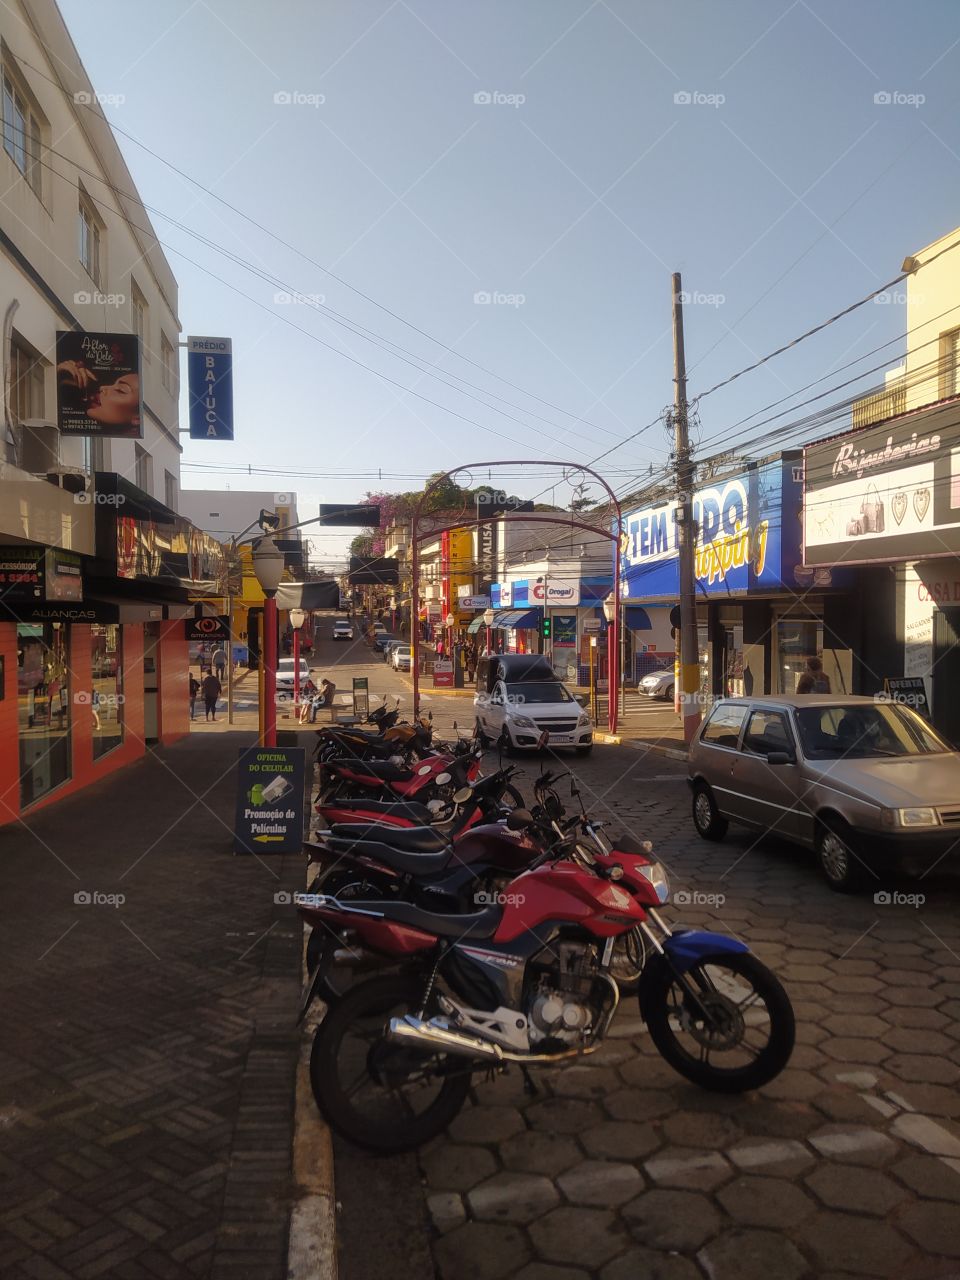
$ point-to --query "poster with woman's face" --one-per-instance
(98, 384)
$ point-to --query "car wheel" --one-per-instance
(480, 736)
(706, 816)
(836, 854)
(668, 693)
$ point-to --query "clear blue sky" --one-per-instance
(781, 204)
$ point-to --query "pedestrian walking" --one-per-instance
(194, 690)
(211, 692)
(219, 662)
(814, 679)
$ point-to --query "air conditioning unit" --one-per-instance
(39, 446)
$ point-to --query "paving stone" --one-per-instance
(935, 1100)
(765, 1202)
(852, 1024)
(546, 1271)
(925, 1019)
(481, 1251)
(855, 1049)
(685, 1167)
(794, 1086)
(910, 1040)
(701, 1129)
(856, 1189)
(923, 1068)
(771, 1156)
(914, 997)
(453, 1167)
(513, 1197)
(639, 1104)
(787, 1119)
(845, 1107)
(546, 1153)
(681, 1220)
(646, 1264)
(752, 1255)
(621, 1139)
(929, 1177)
(625, 1027)
(852, 984)
(446, 1210)
(845, 1242)
(486, 1124)
(856, 1144)
(564, 1115)
(587, 1237)
(600, 1182)
(585, 1082)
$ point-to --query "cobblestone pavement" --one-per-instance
(148, 1050)
(847, 1165)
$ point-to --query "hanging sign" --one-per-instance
(98, 384)
(210, 380)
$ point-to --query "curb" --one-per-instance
(671, 753)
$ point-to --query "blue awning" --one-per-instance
(518, 619)
(636, 619)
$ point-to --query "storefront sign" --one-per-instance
(269, 813)
(210, 379)
(886, 492)
(208, 629)
(910, 691)
(98, 384)
(748, 537)
(443, 674)
(474, 602)
(64, 575)
(556, 591)
(34, 575)
(564, 630)
(486, 548)
(520, 592)
(177, 554)
(501, 595)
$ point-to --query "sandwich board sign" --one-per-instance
(270, 807)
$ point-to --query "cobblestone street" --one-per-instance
(846, 1165)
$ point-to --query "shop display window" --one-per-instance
(797, 640)
(43, 704)
(105, 702)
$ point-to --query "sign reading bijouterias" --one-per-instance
(210, 378)
(886, 492)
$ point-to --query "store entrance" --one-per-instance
(946, 673)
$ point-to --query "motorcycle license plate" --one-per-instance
(309, 992)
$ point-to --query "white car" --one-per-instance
(658, 684)
(401, 657)
(285, 669)
(343, 630)
(519, 698)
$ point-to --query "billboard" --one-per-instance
(748, 537)
(210, 383)
(98, 384)
(885, 493)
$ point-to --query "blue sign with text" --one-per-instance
(210, 379)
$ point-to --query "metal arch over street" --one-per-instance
(613, 628)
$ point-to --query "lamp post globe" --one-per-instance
(297, 618)
(609, 608)
(267, 565)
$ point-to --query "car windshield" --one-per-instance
(538, 692)
(859, 731)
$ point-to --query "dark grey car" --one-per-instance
(864, 782)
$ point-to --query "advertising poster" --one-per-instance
(98, 384)
(269, 815)
(564, 630)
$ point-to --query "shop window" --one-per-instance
(43, 704)
(106, 697)
(797, 640)
(949, 352)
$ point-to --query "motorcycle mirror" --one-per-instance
(518, 819)
(441, 779)
(463, 795)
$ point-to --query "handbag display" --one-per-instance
(854, 528)
(871, 511)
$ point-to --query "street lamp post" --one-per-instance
(450, 620)
(610, 613)
(488, 617)
(297, 617)
(268, 566)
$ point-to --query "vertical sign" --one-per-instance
(210, 378)
(98, 384)
(270, 807)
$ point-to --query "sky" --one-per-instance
(497, 194)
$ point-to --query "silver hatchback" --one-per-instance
(866, 783)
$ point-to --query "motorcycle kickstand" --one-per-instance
(530, 1087)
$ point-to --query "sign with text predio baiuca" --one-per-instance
(210, 379)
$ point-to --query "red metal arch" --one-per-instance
(615, 536)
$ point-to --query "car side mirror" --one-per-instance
(781, 757)
(581, 698)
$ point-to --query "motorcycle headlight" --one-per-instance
(657, 876)
(523, 722)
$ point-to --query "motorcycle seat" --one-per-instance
(406, 839)
(409, 809)
(471, 928)
(399, 860)
(381, 770)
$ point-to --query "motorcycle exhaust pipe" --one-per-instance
(427, 1035)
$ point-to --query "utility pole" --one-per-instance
(686, 531)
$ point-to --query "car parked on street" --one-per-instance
(342, 630)
(658, 684)
(285, 683)
(401, 655)
(866, 783)
(519, 697)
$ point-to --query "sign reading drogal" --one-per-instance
(269, 815)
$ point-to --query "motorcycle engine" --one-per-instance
(561, 1005)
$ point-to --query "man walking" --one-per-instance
(211, 692)
(194, 690)
(814, 679)
(219, 662)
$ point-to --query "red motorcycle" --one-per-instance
(431, 781)
(526, 981)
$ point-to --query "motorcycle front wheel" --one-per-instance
(732, 1030)
(382, 1096)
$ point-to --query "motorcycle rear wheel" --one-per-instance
(369, 1090)
(686, 1039)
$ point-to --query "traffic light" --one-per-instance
(545, 628)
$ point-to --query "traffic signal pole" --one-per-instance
(686, 531)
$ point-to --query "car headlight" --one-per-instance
(654, 872)
(584, 720)
(918, 817)
(523, 722)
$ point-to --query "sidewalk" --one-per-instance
(149, 982)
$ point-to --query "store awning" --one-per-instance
(518, 619)
(636, 618)
(308, 595)
(475, 625)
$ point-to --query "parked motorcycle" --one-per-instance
(526, 980)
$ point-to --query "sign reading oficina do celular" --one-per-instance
(269, 800)
(210, 379)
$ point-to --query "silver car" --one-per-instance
(658, 684)
(866, 783)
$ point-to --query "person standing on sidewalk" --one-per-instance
(211, 692)
(219, 662)
(194, 690)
